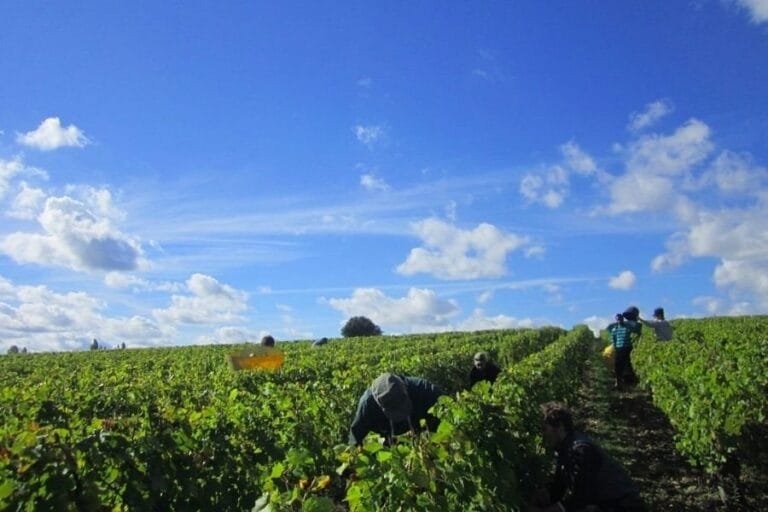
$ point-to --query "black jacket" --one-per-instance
(370, 418)
(489, 373)
(586, 475)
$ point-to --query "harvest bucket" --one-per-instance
(608, 358)
(259, 358)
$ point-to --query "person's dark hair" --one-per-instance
(659, 313)
(556, 414)
(620, 318)
(631, 313)
(267, 341)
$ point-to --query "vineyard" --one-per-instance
(177, 429)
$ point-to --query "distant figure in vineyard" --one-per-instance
(393, 405)
(660, 326)
(585, 478)
(621, 339)
(632, 320)
(267, 341)
(483, 369)
(94, 344)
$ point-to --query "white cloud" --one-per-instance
(577, 159)
(670, 155)
(746, 274)
(758, 9)
(452, 253)
(485, 297)
(552, 185)
(75, 237)
(372, 183)
(478, 321)
(549, 189)
(737, 237)
(636, 192)
(733, 173)
(43, 320)
(137, 284)
(596, 323)
(656, 168)
(369, 135)
(624, 281)
(27, 203)
(209, 302)
(652, 113)
(419, 311)
(231, 335)
(535, 251)
(51, 135)
(10, 169)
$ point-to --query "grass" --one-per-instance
(637, 434)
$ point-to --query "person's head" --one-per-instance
(557, 423)
(391, 394)
(480, 360)
(267, 341)
(658, 313)
(620, 318)
(632, 313)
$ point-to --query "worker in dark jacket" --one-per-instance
(585, 478)
(393, 405)
(483, 369)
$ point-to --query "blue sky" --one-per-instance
(196, 172)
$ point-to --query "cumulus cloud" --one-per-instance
(624, 281)
(636, 192)
(420, 310)
(43, 320)
(74, 236)
(735, 173)
(551, 186)
(28, 202)
(737, 237)
(231, 335)
(52, 135)
(453, 253)
(577, 159)
(757, 9)
(670, 155)
(8, 170)
(657, 167)
(478, 321)
(652, 113)
(369, 135)
(11, 169)
(208, 302)
(372, 183)
(596, 323)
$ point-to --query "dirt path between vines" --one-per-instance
(639, 435)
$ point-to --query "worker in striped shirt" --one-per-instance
(621, 339)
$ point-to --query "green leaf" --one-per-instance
(277, 470)
(318, 504)
(6, 489)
